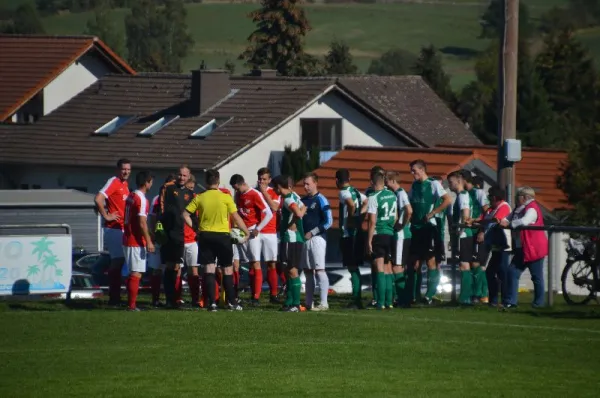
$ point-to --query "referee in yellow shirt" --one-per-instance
(214, 242)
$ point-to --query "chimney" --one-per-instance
(208, 88)
(263, 72)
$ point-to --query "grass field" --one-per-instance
(49, 351)
(220, 30)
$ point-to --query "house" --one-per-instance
(539, 169)
(40, 73)
(210, 119)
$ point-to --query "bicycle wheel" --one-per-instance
(578, 282)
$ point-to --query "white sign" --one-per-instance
(35, 264)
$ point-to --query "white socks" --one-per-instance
(324, 284)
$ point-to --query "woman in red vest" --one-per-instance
(531, 247)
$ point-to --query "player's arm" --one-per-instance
(100, 201)
(297, 212)
(267, 214)
(326, 217)
(371, 220)
(440, 192)
(237, 220)
(190, 209)
(143, 220)
(273, 203)
(351, 210)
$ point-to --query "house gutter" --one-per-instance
(275, 128)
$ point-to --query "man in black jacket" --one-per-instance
(174, 197)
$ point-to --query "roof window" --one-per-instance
(158, 125)
(114, 125)
(209, 127)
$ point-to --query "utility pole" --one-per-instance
(508, 94)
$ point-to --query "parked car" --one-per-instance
(82, 288)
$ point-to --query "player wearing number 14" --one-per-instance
(382, 212)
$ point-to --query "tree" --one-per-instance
(278, 40)
(102, 25)
(178, 40)
(429, 66)
(393, 62)
(569, 76)
(492, 21)
(25, 20)
(229, 66)
(296, 163)
(338, 60)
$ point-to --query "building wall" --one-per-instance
(357, 129)
(77, 77)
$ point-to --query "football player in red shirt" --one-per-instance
(256, 215)
(268, 235)
(190, 255)
(110, 202)
(137, 242)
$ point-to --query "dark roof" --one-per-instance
(255, 104)
(30, 62)
(45, 198)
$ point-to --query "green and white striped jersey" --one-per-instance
(384, 204)
(402, 200)
(463, 201)
(287, 235)
(358, 198)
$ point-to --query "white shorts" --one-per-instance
(269, 246)
(113, 242)
(135, 257)
(154, 259)
(313, 253)
(397, 260)
(250, 250)
(190, 254)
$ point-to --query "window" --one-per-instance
(115, 124)
(209, 127)
(326, 134)
(158, 125)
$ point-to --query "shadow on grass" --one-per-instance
(552, 313)
(463, 53)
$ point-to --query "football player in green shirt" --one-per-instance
(382, 212)
(423, 196)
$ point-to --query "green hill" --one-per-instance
(220, 30)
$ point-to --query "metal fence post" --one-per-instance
(550, 282)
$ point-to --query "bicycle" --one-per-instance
(580, 279)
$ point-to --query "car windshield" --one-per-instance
(81, 281)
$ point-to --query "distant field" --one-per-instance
(220, 30)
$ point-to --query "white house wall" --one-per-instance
(357, 129)
(76, 78)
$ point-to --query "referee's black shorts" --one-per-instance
(215, 248)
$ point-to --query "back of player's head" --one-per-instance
(466, 175)
(236, 179)
(262, 171)
(478, 181)
(122, 161)
(377, 169)
(420, 163)
(313, 175)
(393, 175)
(212, 177)
(342, 175)
(497, 192)
(170, 177)
(456, 174)
(185, 166)
(142, 178)
(281, 181)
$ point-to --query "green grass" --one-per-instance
(220, 30)
(453, 352)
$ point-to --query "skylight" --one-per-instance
(158, 125)
(115, 124)
(209, 127)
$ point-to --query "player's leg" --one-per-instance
(483, 255)
(433, 271)
(308, 268)
(208, 260)
(113, 240)
(318, 253)
(191, 263)
(387, 269)
(282, 270)
(465, 256)
(348, 261)
(269, 254)
(253, 248)
(224, 252)
(418, 252)
(283, 260)
(492, 273)
(293, 257)
(136, 258)
(398, 272)
(236, 271)
(156, 266)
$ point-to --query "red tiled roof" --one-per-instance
(30, 62)
(538, 169)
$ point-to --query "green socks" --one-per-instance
(389, 290)
(289, 295)
(380, 289)
(480, 288)
(466, 287)
(433, 279)
(400, 284)
(484, 286)
(356, 287)
(296, 288)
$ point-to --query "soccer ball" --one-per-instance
(236, 235)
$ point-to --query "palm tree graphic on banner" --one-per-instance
(47, 262)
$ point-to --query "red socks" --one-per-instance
(133, 285)
(258, 281)
(155, 281)
(114, 284)
(178, 288)
(273, 278)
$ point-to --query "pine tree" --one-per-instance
(102, 25)
(25, 20)
(393, 62)
(429, 66)
(296, 163)
(569, 76)
(338, 60)
(278, 40)
(492, 21)
(145, 30)
(177, 41)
